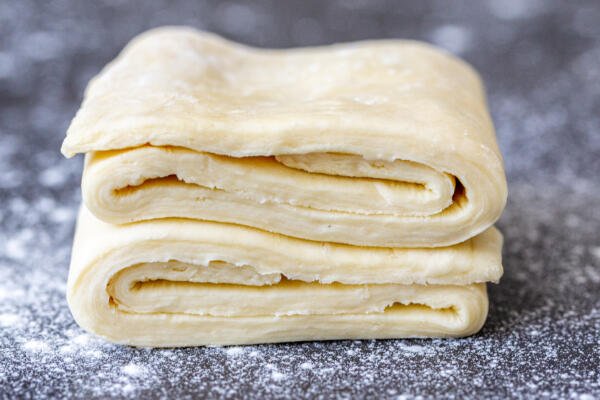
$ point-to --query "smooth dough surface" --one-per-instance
(175, 282)
(382, 143)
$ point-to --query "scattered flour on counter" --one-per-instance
(82, 339)
(277, 376)
(415, 349)
(54, 176)
(234, 351)
(9, 320)
(457, 39)
(36, 346)
(254, 353)
(11, 292)
(306, 365)
(62, 214)
(134, 370)
(128, 388)
(16, 246)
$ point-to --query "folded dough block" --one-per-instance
(381, 143)
(181, 282)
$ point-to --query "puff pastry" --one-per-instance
(175, 282)
(235, 195)
(384, 143)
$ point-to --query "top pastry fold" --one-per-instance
(381, 143)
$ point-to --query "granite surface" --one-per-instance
(541, 64)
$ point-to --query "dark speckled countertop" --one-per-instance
(541, 64)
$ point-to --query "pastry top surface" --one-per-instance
(178, 86)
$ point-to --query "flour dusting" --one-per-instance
(133, 370)
(9, 320)
(36, 346)
(234, 351)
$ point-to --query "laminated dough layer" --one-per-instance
(382, 143)
(175, 282)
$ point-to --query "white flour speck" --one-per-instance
(234, 351)
(62, 214)
(414, 348)
(134, 370)
(36, 346)
(306, 365)
(52, 177)
(82, 339)
(11, 293)
(128, 388)
(16, 246)
(67, 349)
(454, 38)
(94, 353)
(254, 353)
(9, 320)
(277, 376)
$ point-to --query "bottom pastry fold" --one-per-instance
(176, 282)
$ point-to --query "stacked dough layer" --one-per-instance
(236, 195)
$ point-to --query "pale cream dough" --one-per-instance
(174, 282)
(351, 190)
(383, 143)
